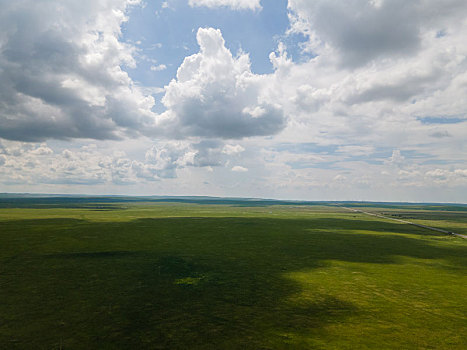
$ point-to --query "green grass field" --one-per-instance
(191, 276)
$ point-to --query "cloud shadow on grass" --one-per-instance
(189, 282)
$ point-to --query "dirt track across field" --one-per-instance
(406, 222)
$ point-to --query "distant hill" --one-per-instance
(31, 200)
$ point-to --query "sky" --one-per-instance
(287, 99)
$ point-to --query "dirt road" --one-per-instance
(406, 222)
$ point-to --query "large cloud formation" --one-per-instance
(62, 68)
(217, 95)
(378, 68)
(61, 71)
(363, 30)
(91, 165)
(377, 111)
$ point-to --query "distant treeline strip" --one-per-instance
(14, 200)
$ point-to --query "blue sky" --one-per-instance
(293, 99)
(168, 35)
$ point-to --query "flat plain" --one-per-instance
(135, 275)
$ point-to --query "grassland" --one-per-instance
(189, 276)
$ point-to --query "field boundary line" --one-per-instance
(406, 222)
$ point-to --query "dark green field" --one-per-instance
(190, 276)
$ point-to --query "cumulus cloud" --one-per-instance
(446, 176)
(209, 153)
(89, 165)
(239, 169)
(233, 149)
(461, 172)
(217, 95)
(363, 86)
(92, 165)
(42, 150)
(165, 159)
(39, 164)
(168, 156)
(373, 107)
(158, 68)
(363, 30)
(61, 71)
(396, 158)
(233, 4)
(438, 174)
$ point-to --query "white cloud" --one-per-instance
(339, 178)
(168, 157)
(158, 68)
(349, 121)
(217, 95)
(461, 172)
(42, 150)
(239, 169)
(396, 158)
(378, 99)
(233, 4)
(61, 71)
(232, 149)
(364, 30)
(88, 165)
(438, 174)
(448, 177)
(92, 164)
